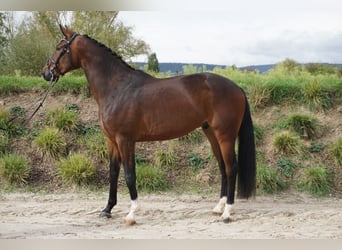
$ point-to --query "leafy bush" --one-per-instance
(11, 128)
(285, 143)
(76, 169)
(316, 147)
(315, 180)
(63, 119)
(315, 96)
(15, 168)
(150, 179)
(139, 160)
(335, 151)
(306, 126)
(268, 180)
(52, 142)
(195, 160)
(286, 166)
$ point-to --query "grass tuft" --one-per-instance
(76, 169)
(165, 158)
(268, 180)
(286, 143)
(335, 150)
(315, 180)
(15, 168)
(304, 125)
(63, 119)
(51, 141)
(314, 95)
(150, 179)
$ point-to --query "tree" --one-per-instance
(107, 29)
(4, 35)
(36, 37)
(152, 63)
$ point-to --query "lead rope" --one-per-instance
(24, 123)
(52, 83)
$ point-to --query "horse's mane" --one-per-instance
(109, 50)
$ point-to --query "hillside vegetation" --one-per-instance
(297, 115)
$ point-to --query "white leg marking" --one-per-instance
(220, 206)
(228, 210)
(130, 218)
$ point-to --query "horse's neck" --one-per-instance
(108, 80)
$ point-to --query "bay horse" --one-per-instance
(134, 106)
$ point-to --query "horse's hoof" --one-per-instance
(226, 220)
(129, 222)
(105, 214)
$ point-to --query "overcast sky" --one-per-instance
(243, 32)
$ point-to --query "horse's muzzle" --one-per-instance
(47, 74)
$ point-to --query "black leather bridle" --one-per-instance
(65, 49)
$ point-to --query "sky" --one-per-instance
(242, 33)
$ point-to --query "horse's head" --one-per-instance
(63, 60)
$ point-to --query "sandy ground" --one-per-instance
(75, 215)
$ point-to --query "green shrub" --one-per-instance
(259, 94)
(284, 90)
(315, 180)
(193, 137)
(268, 180)
(4, 141)
(196, 161)
(63, 119)
(51, 141)
(335, 151)
(306, 126)
(286, 166)
(11, 128)
(316, 147)
(286, 144)
(18, 112)
(150, 179)
(139, 160)
(76, 169)
(97, 145)
(315, 96)
(14, 168)
(165, 158)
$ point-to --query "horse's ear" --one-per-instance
(65, 31)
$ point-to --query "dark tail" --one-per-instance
(246, 158)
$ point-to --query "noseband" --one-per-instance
(55, 63)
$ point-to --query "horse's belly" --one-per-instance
(169, 127)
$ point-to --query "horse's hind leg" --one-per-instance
(219, 208)
(231, 167)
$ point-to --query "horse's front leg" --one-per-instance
(114, 170)
(127, 149)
